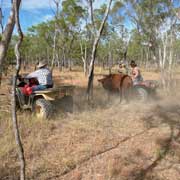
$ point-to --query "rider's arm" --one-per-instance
(32, 75)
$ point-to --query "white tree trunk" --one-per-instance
(165, 50)
(1, 20)
(6, 37)
(16, 4)
(171, 52)
(93, 55)
(57, 2)
(84, 58)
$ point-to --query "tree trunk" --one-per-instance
(171, 83)
(165, 50)
(84, 58)
(64, 57)
(69, 53)
(69, 64)
(1, 20)
(93, 55)
(55, 35)
(6, 37)
(16, 4)
(54, 49)
(91, 12)
(163, 61)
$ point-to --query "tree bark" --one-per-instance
(6, 37)
(69, 53)
(171, 52)
(93, 55)
(91, 12)
(55, 34)
(84, 58)
(16, 4)
(1, 20)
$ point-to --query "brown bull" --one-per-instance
(118, 83)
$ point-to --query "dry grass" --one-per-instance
(101, 141)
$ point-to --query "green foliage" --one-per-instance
(10, 56)
(135, 45)
(73, 26)
(149, 15)
(71, 13)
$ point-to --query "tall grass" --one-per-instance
(68, 141)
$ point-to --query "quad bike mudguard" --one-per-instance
(52, 94)
(145, 89)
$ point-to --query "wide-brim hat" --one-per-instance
(42, 64)
(121, 63)
(132, 62)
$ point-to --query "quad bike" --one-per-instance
(41, 102)
(144, 90)
(139, 92)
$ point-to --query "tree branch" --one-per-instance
(14, 115)
(1, 20)
(93, 55)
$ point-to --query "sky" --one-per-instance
(33, 12)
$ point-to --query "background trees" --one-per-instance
(144, 30)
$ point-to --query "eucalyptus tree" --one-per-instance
(94, 49)
(55, 53)
(1, 20)
(111, 50)
(156, 21)
(116, 35)
(148, 15)
(69, 23)
(176, 10)
(6, 37)
(55, 39)
(84, 47)
(137, 49)
(40, 41)
(111, 28)
(86, 34)
(167, 37)
(92, 22)
(15, 4)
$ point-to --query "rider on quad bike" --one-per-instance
(40, 79)
(136, 73)
(43, 76)
(142, 89)
(34, 92)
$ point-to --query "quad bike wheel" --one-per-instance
(141, 94)
(43, 108)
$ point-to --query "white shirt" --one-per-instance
(43, 75)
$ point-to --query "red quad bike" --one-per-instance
(144, 90)
(41, 103)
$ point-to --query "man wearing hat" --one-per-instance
(123, 68)
(43, 75)
(136, 73)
